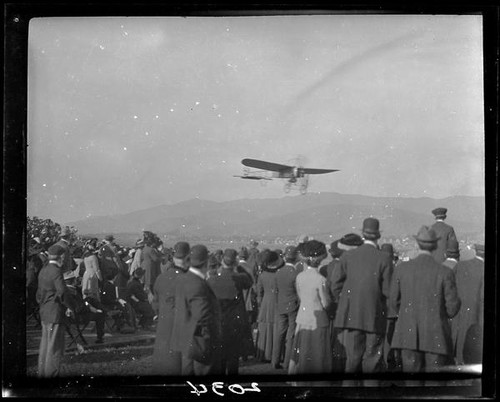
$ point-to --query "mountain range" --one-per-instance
(317, 214)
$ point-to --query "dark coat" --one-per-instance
(288, 300)
(166, 361)
(196, 331)
(108, 261)
(52, 295)
(469, 276)
(227, 286)
(361, 286)
(136, 288)
(151, 262)
(267, 296)
(424, 297)
(446, 233)
(250, 294)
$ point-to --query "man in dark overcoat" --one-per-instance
(53, 298)
(139, 300)
(250, 294)
(109, 261)
(196, 333)
(444, 232)
(165, 360)
(467, 325)
(424, 297)
(286, 309)
(361, 288)
(228, 286)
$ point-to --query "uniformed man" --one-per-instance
(444, 232)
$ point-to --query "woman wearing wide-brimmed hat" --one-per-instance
(312, 351)
(267, 292)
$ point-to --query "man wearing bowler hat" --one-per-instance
(196, 333)
(361, 288)
(53, 298)
(444, 232)
(165, 360)
(467, 325)
(423, 298)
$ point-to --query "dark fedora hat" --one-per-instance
(439, 212)
(229, 257)
(198, 255)
(371, 226)
(426, 235)
(181, 249)
(109, 237)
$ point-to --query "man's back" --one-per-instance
(51, 293)
(445, 233)
(287, 293)
(424, 296)
(362, 285)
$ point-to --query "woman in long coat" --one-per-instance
(312, 352)
(267, 299)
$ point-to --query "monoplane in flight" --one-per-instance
(295, 175)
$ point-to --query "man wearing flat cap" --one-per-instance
(165, 360)
(196, 333)
(361, 288)
(286, 309)
(467, 325)
(423, 298)
(236, 335)
(53, 298)
(444, 232)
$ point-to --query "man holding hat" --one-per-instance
(286, 310)
(467, 325)
(361, 288)
(228, 286)
(444, 232)
(423, 298)
(196, 332)
(52, 296)
(165, 360)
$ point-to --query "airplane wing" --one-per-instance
(318, 171)
(249, 177)
(257, 164)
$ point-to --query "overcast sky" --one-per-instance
(130, 113)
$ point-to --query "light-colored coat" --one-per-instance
(314, 299)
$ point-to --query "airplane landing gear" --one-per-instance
(287, 188)
(303, 189)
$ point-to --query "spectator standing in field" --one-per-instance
(452, 254)
(92, 276)
(136, 262)
(139, 300)
(228, 286)
(196, 333)
(423, 297)
(150, 262)
(165, 360)
(253, 256)
(286, 310)
(52, 296)
(267, 292)
(65, 242)
(250, 294)
(444, 232)
(311, 346)
(361, 288)
(108, 257)
(467, 325)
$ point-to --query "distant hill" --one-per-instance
(317, 214)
